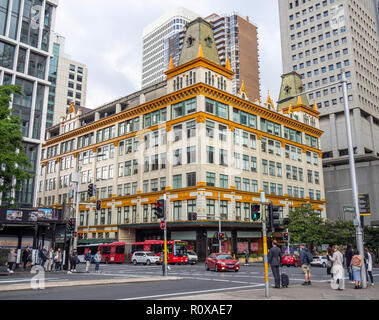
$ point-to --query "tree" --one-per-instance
(371, 238)
(11, 146)
(339, 232)
(306, 225)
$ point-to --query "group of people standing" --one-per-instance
(337, 262)
(50, 259)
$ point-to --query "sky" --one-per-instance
(106, 35)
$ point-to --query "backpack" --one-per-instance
(309, 257)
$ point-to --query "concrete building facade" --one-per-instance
(210, 151)
(319, 38)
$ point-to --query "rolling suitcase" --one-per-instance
(285, 280)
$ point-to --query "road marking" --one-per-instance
(193, 292)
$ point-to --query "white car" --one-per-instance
(320, 261)
(192, 257)
(145, 257)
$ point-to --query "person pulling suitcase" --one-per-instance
(274, 259)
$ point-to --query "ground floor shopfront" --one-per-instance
(202, 236)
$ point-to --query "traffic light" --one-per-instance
(285, 236)
(80, 236)
(273, 212)
(221, 236)
(98, 204)
(160, 209)
(71, 225)
(192, 216)
(255, 214)
(90, 190)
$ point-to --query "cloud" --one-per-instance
(107, 36)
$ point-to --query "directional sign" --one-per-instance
(364, 204)
(348, 209)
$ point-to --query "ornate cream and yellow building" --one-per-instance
(209, 151)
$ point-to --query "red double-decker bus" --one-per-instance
(121, 252)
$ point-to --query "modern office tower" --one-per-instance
(26, 33)
(319, 38)
(191, 139)
(241, 46)
(68, 82)
(154, 41)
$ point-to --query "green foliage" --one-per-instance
(371, 238)
(339, 232)
(306, 225)
(10, 141)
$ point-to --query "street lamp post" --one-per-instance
(357, 220)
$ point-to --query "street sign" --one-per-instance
(163, 224)
(364, 204)
(348, 209)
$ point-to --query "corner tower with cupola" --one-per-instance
(199, 61)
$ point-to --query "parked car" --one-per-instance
(320, 261)
(291, 260)
(145, 257)
(192, 257)
(221, 262)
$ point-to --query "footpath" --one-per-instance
(317, 291)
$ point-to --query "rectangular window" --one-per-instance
(211, 179)
(224, 181)
(177, 181)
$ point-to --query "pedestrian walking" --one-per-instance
(12, 257)
(26, 256)
(42, 256)
(337, 269)
(356, 264)
(369, 265)
(247, 254)
(348, 256)
(58, 259)
(49, 260)
(274, 258)
(88, 259)
(305, 260)
(97, 259)
(73, 260)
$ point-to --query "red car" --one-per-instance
(221, 262)
(291, 260)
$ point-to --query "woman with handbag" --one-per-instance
(356, 264)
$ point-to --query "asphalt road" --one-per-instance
(196, 280)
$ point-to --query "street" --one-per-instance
(195, 280)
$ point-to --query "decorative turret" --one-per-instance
(291, 86)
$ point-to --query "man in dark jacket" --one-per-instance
(26, 255)
(274, 258)
(305, 259)
(43, 256)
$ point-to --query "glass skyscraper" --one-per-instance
(26, 29)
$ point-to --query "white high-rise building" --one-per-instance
(154, 40)
(68, 83)
(319, 38)
(26, 33)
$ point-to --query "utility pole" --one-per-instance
(359, 233)
(165, 268)
(264, 234)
